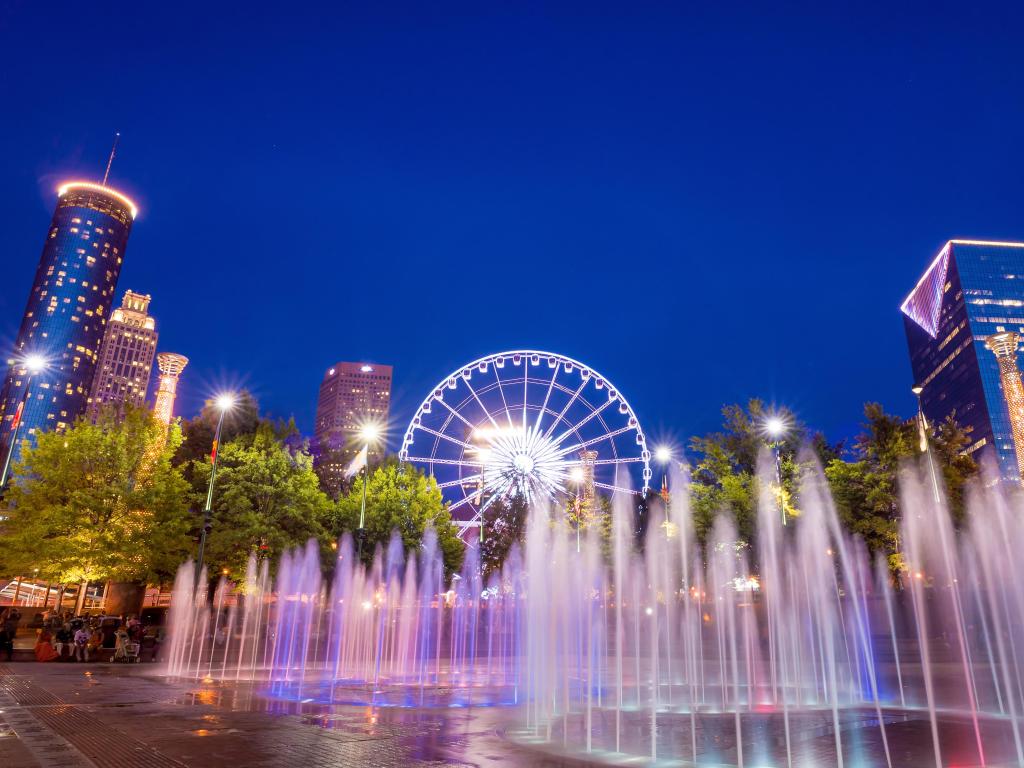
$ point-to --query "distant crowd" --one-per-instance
(64, 637)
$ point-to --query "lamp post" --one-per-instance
(224, 403)
(775, 428)
(369, 434)
(922, 432)
(33, 365)
(663, 456)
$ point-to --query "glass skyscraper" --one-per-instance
(966, 309)
(67, 308)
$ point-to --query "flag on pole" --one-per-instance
(357, 463)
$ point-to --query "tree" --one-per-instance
(400, 498)
(98, 501)
(866, 490)
(504, 526)
(724, 476)
(266, 499)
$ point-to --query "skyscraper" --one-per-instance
(171, 365)
(962, 320)
(351, 395)
(67, 307)
(126, 355)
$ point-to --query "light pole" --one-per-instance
(922, 432)
(663, 456)
(223, 403)
(33, 365)
(369, 434)
(775, 428)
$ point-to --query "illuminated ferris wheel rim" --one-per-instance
(526, 450)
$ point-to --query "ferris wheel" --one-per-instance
(528, 423)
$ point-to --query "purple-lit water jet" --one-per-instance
(731, 653)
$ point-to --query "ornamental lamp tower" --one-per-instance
(171, 365)
(1004, 347)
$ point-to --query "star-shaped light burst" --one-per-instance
(521, 460)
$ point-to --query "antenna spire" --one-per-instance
(113, 151)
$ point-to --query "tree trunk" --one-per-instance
(80, 600)
(123, 598)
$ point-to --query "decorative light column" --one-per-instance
(1004, 347)
(171, 365)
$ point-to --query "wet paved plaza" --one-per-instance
(118, 716)
(114, 716)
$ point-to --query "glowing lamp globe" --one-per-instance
(775, 426)
(35, 363)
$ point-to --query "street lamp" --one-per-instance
(369, 434)
(223, 404)
(922, 422)
(775, 427)
(33, 364)
(663, 456)
(922, 433)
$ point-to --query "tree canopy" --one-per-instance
(266, 499)
(98, 501)
(399, 498)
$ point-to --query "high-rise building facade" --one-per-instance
(126, 355)
(67, 308)
(351, 396)
(962, 320)
(171, 365)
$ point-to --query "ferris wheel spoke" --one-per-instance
(594, 440)
(479, 402)
(449, 438)
(460, 481)
(614, 488)
(456, 414)
(446, 462)
(501, 391)
(547, 397)
(582, 422)
(624, 460)
(565, 410)
(460, 503)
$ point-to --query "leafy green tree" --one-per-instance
(98, 501)
(866, 490)
(724, 473)
(266, 499)
(400, 498)
(504, 526)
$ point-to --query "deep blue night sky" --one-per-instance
(704, 204)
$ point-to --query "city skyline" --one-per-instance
(647, 223)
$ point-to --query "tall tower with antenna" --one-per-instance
(171, 365)
(67, 309)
